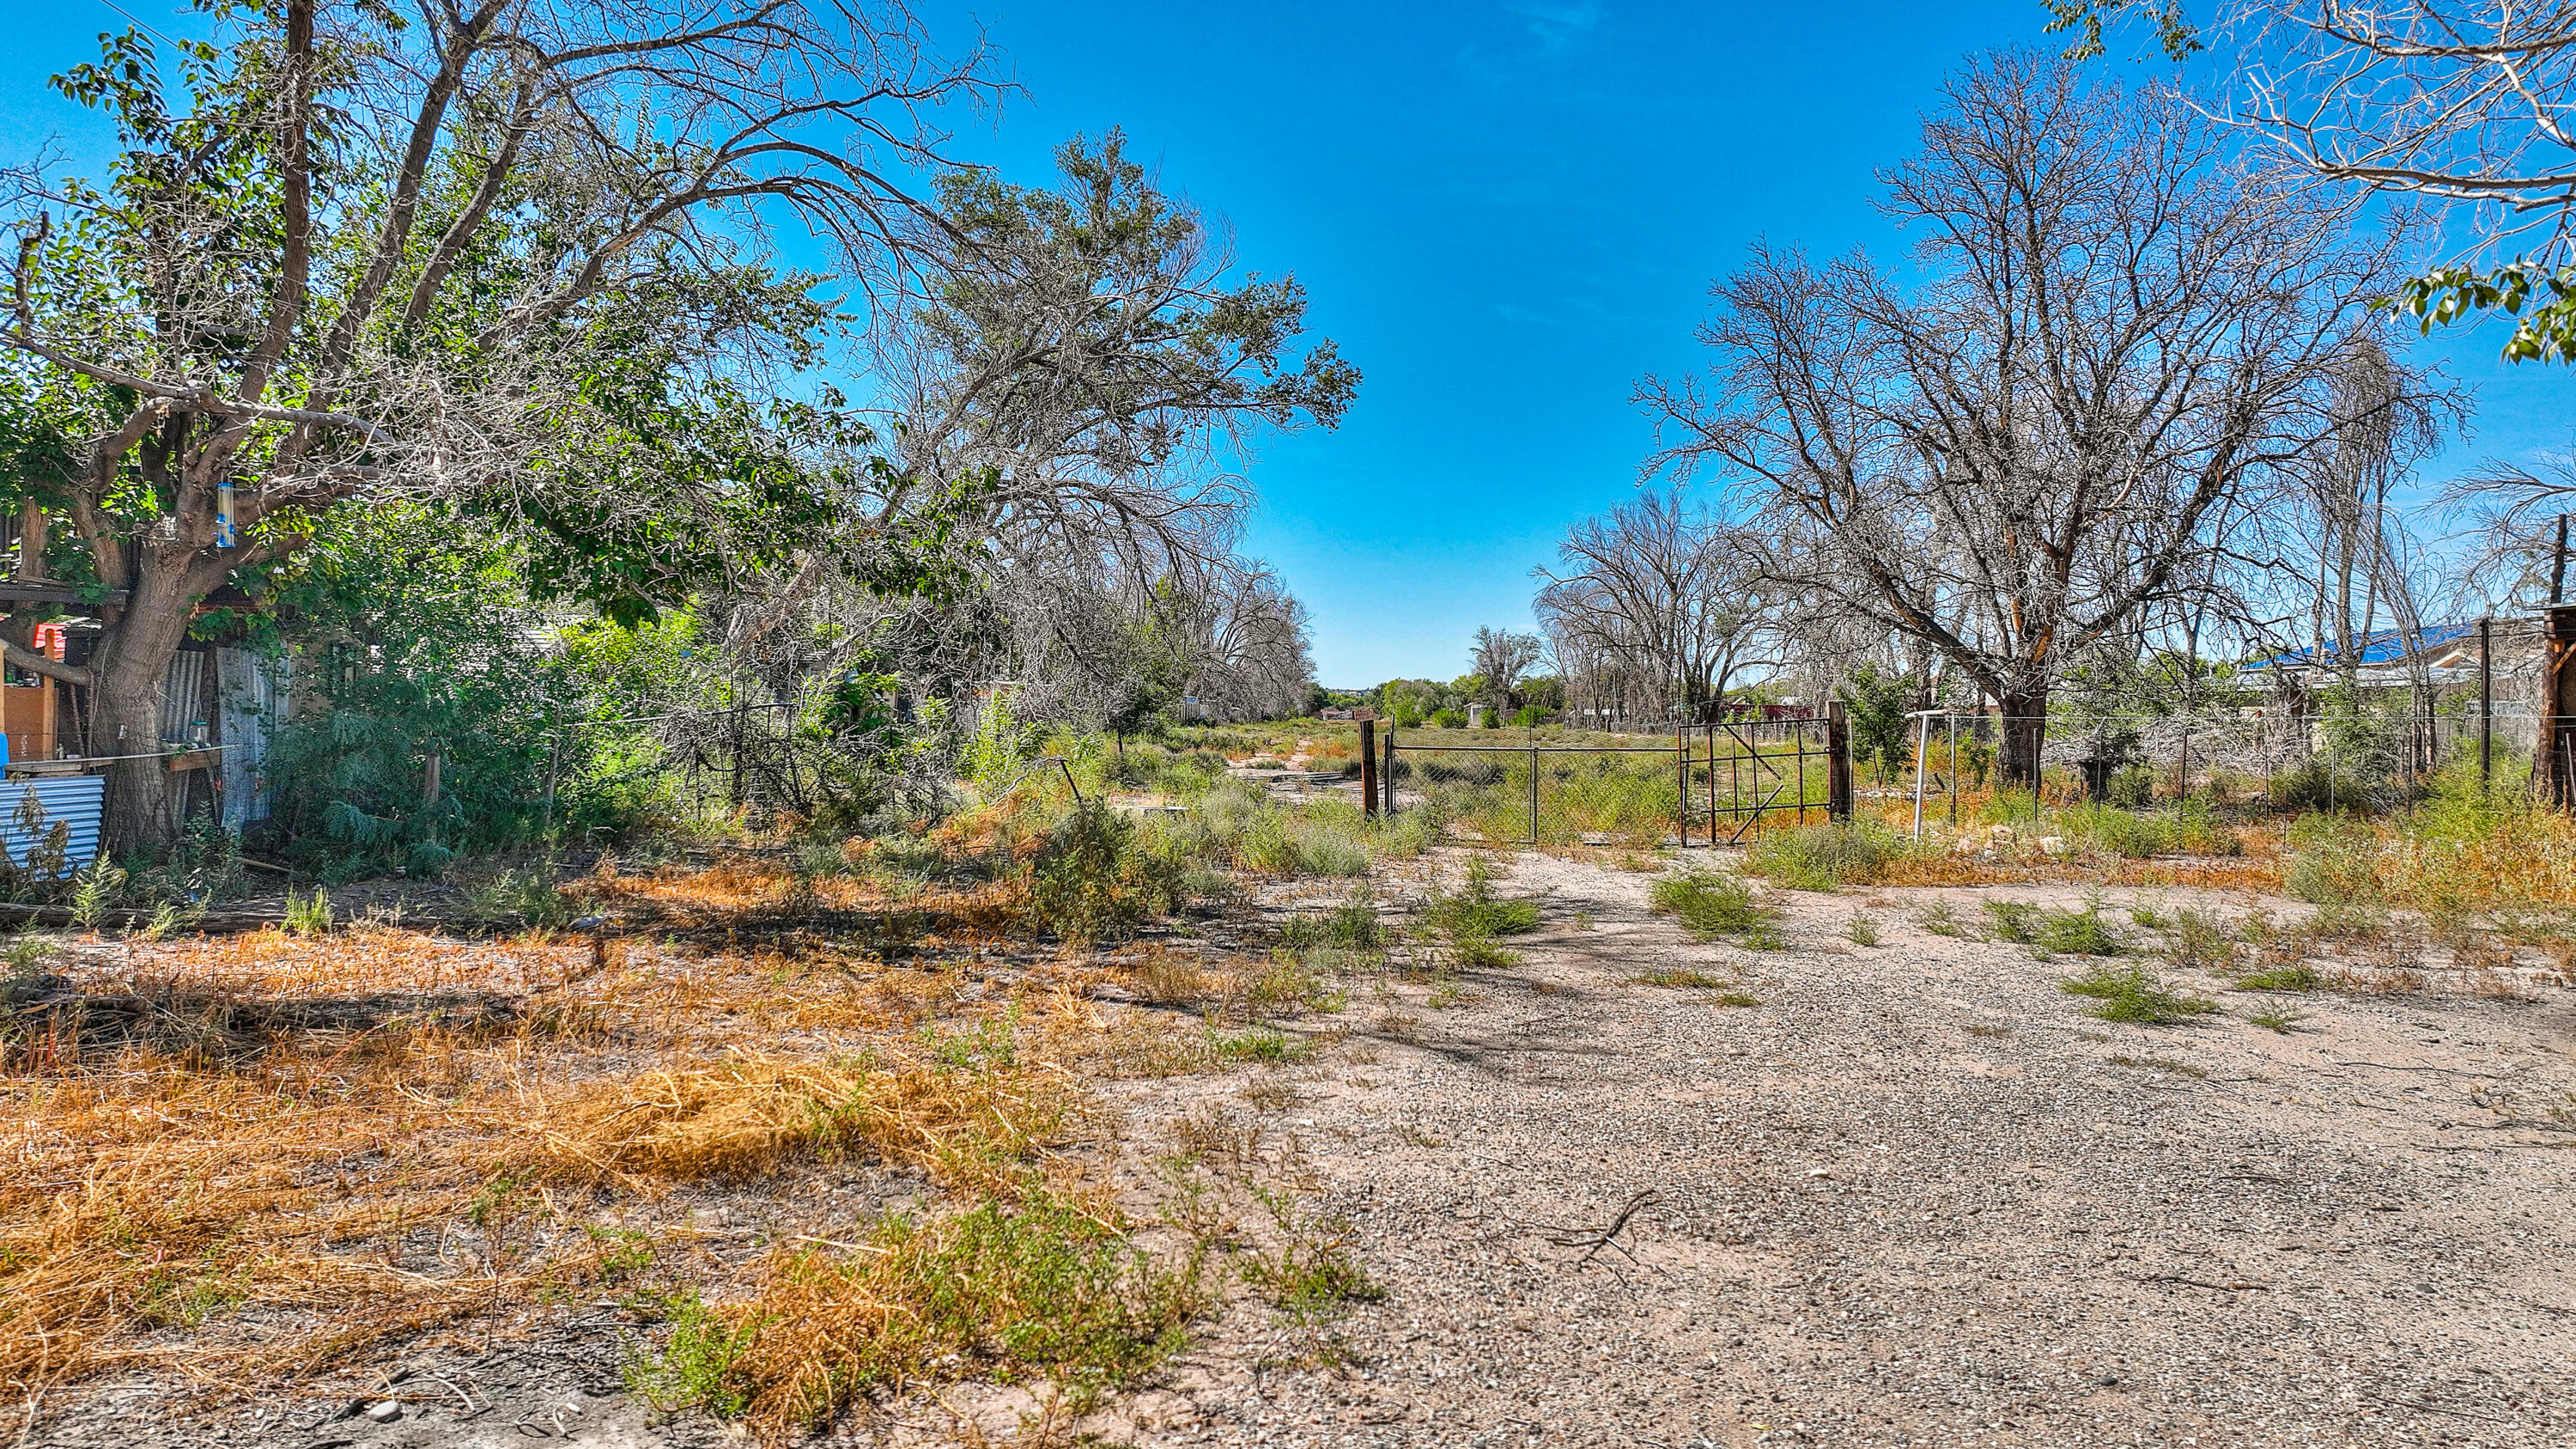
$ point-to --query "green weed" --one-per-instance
(1823, 857)
(2132, 994)
(309, 917)
(2282, 1019)
(1862, 930)
(1709, 903)
(2298, 976)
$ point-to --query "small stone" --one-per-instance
(2055, 845)
(384, 1411)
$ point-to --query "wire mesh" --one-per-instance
(1488, 786)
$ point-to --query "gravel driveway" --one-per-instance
(1913, 1196)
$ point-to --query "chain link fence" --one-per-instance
(2272, 758)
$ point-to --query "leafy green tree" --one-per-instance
(509, 257)
(1877, 718)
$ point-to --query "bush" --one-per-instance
(1823, 857)
(1091, 882)
(1477, 913)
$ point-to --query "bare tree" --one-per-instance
(1500, 657)
(1661, 589)
(416, 251)
(2471, 102)
(2121, 341)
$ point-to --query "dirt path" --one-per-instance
(1913, 1196)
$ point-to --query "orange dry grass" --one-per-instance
(339, 1187)
(741, 1118)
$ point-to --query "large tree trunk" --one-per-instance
(132, 662)
(2025, 731)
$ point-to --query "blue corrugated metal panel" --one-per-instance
(2385, 647)
(74, 800)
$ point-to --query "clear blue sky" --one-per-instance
(1505, 213)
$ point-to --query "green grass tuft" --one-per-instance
(2133, 994)
(1708, 903)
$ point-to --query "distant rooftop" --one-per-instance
(2387, 646)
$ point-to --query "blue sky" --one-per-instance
(1504, 213)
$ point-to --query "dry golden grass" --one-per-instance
(298, 1195)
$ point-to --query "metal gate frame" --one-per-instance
(1835, 751)
(1811, 736)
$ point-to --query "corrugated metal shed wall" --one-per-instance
(74, 800)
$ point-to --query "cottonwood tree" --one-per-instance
(1501, 657)
(1076, 365)
(2119, 331)
(1662, 590)
(2467, 102)
(509, 254)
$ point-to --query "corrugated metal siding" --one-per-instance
(75, 800)
(183, 696)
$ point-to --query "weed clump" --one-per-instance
(1477, 911)
(2133, 994)
(1047, 1289)
(1823, 857)
(1092, 883)
(1710, 904)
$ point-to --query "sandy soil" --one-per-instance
(1916, 1196)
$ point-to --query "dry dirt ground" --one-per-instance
(1915, 1196)
(1911, 1195)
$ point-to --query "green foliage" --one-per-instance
(1823, 857)
(518, 896)
(2054, 932)
(1709, 903)
(309, 917)
(2333, 861)
(1313, 1272)
(1092, 883)
(1879, 729)
(2199, 942)
(2133, 994)
(1040, 1288)
(1476, 911)
(2546, 332)
(2298, 976)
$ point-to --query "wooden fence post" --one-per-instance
(1368, 767)
(1838, 774)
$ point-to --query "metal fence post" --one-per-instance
(1387, 776)
(1954, 770)
(2486, 707)
(1681, 786)
(1533, 749)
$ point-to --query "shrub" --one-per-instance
(1708, 903)
(1823, 857)
(1091, 883)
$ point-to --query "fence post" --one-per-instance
(1953, 721)
(1922, 749)
(1681, 786)
(1368, 767)
(2486, 708)
(1386, 777)
(1533, 791)
(1838, 776)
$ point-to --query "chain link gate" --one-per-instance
(1719, 773)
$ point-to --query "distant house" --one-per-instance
(2387, 660)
